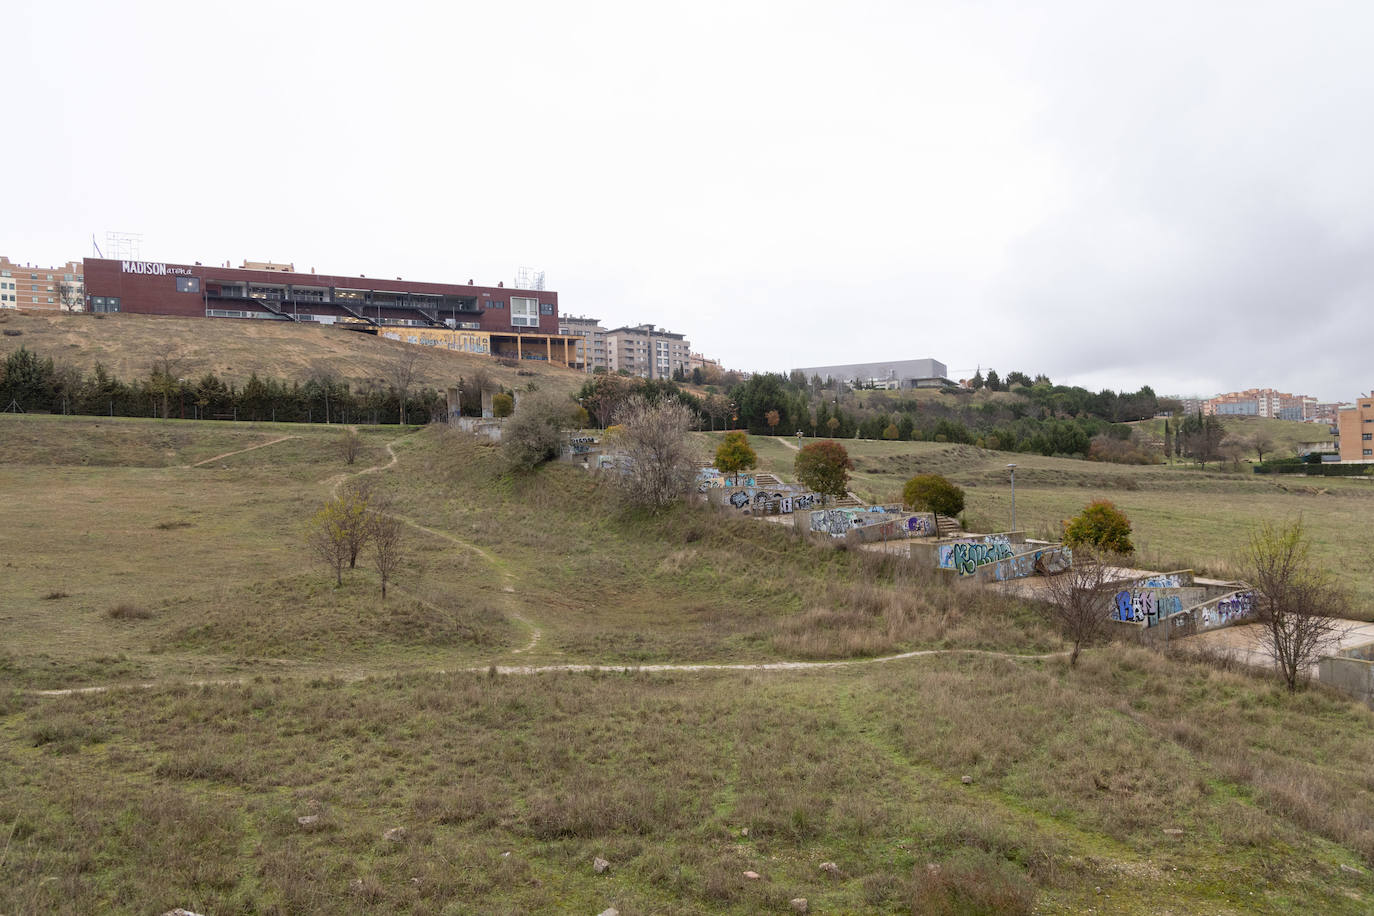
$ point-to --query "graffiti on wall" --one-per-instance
(1147, 607)
(1231, 609)
(967, 556)
(834, 522)
(919, 526)
(1046, 561)
(1169, 581)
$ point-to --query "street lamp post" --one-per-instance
(1012, 468)
(799, 439)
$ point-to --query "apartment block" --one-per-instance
(28, 286)
(1356, 427)
(593, 339)
(1261, 402)
(647, 351)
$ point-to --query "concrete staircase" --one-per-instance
(767, 480)
(947, 527)
(848, 501)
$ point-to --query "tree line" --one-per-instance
(34, 384)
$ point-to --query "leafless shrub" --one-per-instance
(662, 461)
(969, 883)
(534, 435)
(127, 611)
(1297, 602)
(55, 594)
(350, 444)
(386, 538)
(1077, 599)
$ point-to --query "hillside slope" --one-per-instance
(234, 349)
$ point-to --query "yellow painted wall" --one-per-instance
(462, 341)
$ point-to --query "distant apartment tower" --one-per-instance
(1261, 402)
(27, 286)
(1356, 427)
(1328, 412)
(1190, 405)
(647, 351)
(593, 339)
(700, 361)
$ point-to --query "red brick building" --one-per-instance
(158, 288)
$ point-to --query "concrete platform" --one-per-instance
(1241, 642)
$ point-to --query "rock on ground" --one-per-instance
(599, 865)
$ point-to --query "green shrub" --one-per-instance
(933, 493)
(1101, 524)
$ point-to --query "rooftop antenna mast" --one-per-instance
(124, 246)
(529, 278)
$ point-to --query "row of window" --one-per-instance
(104, 304)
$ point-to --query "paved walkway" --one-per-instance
(1242, 642)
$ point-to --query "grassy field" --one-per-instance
(289, 726)
(233, 349)
(1182, 517)
(1286, 436)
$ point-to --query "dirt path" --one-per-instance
(507, 589)
(241, 451)
(536, 634)
(527, 670)
(337, 481)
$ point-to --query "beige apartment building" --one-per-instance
(647, 351)
(1356, 428)
(593, 341)
(28, 286)
(1261, 402)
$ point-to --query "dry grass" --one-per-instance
(126, 611)
(686, 781)
(234, 349)
(138, 800)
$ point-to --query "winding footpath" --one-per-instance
(508, 592)
(241, 451)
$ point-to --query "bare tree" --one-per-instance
(386, 543)
(1077, 599)
(1297, 603)
(1261, 442)
(1232, 449)
(350, 444)
(355, 502)
(401, 375)
(662, 464)
(537, 431)
(70, 296)
(164, 375)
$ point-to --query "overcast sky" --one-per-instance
(1174, 194)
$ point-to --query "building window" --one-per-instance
(524, 313)
(1369, 451)
(1367, 437)
(188, 284)
(546, 308)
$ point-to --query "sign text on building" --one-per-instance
(154, 268)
